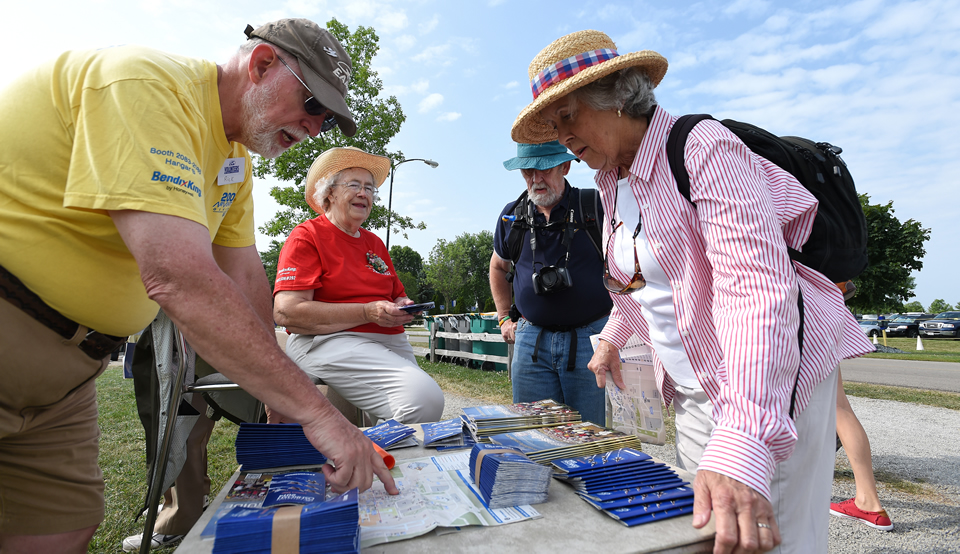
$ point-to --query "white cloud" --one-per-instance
(428, 26)
(420, 86)
(449, 116)
(512, 85)
(434, 54)
(389, 22)
(405, 42)
(430, 102)
(747, 7)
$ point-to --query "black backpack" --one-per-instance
(523, 213)
(837, 246)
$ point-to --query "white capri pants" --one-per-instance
(376, 373)
(801, 485)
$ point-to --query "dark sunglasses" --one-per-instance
(312, 105)
(615, 286)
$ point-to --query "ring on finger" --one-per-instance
(763, 525)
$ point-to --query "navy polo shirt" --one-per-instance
(587, 300)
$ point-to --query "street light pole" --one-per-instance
(393, 171)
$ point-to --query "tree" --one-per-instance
(473, 266)
(914, 306)
(409, 260)
(895, 250)
(406, 259)
(441, 273)
(410, 285)
(378, 120)
(460, 270)
(940, 305)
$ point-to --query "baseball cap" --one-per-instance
(326, 66)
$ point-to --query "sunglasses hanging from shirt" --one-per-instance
(609, 282)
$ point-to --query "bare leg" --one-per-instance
(857, 447)
(72, 542)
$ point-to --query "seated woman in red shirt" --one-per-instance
(338, 293)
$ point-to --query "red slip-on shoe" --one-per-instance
(848, 509)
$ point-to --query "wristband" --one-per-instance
(503, 320)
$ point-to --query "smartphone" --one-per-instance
(417, 308)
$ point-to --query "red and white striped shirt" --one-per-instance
(734, 291)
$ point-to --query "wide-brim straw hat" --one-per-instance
(569, 63)
(336, 160)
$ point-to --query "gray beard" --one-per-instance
(259, 135)
(546, 199)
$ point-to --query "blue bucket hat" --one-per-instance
(539, 156)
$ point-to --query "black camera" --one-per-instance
(551, 279)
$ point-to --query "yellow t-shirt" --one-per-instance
(125, 128)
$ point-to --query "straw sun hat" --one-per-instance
(569, 63)
(337, 159)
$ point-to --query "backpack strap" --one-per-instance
(590, 217)
(675, 145)
(517, 228)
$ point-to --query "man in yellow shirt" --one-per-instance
(125, 187)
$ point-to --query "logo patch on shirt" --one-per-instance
(376, 264)
(287, 274)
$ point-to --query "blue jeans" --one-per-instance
(549, 377)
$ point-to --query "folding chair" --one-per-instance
(170, 349)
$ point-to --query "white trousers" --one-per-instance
(801, 485)
(376, 373)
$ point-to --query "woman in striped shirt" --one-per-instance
(717, 298)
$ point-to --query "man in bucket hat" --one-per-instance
(542, 245)
(126, 188)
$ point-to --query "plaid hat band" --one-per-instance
(569, 67)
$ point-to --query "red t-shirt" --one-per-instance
(338, 268)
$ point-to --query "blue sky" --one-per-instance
(879, 78)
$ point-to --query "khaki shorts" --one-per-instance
(49, 438)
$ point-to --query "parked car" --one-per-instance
(871, 327)
(945, 324)
(907, 325)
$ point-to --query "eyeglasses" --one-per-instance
(312, 105)
(355, 186)
(635, 284)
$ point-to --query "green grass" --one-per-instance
(123, 463)
(936, 399)
(934, 350)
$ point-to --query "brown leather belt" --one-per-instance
(96, 345)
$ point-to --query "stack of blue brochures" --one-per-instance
(627, 485)
(262, 445)
(392, 434)
(326, 527)
(505, 477)
(443, 433)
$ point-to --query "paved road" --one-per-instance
(942, 376)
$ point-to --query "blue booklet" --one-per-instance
(301, 487)
(392, 434)
(330, 526)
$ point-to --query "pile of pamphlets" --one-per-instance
(484, 421)
(444, 434)
(392, 434)
(262, 445)
(505, 477)
(326, 527)
(627, 485)
(566, 441)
